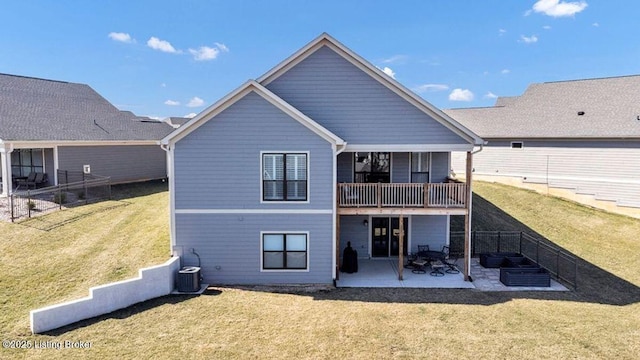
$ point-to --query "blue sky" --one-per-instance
(172, 58)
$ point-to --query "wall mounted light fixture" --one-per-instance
(365, 222)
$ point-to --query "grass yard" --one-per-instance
(109, 241)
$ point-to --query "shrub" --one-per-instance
(31, 205)
(60, 198)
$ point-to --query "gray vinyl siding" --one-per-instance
(440, 167)
(217, 166)
(355, 106)
(345, 167)
(423, 230)
(400, 168)
(229, 246)
(428, 230)
(608, 170)
(352, 229)
(123, 163)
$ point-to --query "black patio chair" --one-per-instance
(30, 179)
(449, 260)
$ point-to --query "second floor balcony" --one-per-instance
(357, 198)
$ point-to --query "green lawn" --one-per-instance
(109, 241)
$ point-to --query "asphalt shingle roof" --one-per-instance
(610, 107)
(34, 109)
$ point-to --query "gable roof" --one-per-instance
(33, 109)
(326, 40)
(610, 109)
(239, 93)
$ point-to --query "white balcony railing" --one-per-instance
(381, 195)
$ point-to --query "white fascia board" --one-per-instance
(408, 147)
(326, 40)
(239, 93)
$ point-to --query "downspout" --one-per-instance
(172, 215)
(337, 150)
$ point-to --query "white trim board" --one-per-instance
(255, 211)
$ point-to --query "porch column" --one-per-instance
(5, 171)
(401, 247)
(467, 219)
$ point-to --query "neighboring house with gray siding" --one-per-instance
(582, 136)
(50, 126)
(269, 184)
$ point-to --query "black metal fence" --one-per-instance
(30, 203)
(560, 264)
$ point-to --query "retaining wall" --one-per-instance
(151, 282)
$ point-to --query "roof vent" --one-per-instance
(580, 113)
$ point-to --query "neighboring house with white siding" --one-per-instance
(581, 136)
(48, 125)
(269, 184)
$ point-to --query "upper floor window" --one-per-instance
(420, 167)
(517, 144)
(284, 177)
(372, 167)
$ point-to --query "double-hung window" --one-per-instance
(286, 251)
(284, 177)
(420, 167)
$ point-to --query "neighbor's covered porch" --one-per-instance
(18, 161)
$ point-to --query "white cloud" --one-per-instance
(430, 88)
(490, 95)
(547, 27)
(161, 45)
(395, 59)
(172, 103)
(528, 39)
(595, 24)
(121, 37)
(502, 32)
(505, 71)
(222, 47)
(163, 85)
(204, 53)
(461, 95)
(389, 72)
(195, 102)
(557, 8)
(190, 115)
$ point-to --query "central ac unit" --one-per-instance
(188, 279)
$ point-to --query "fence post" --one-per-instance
(558, 264)
(109, 187)
(28, 203)
(86, 196)
(499, 240)
(11, 201)
(59, 197)
(520, 246)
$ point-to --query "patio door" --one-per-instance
(385, 236)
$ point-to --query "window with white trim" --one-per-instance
(420, 167)
(284, 177)
(286, 251)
